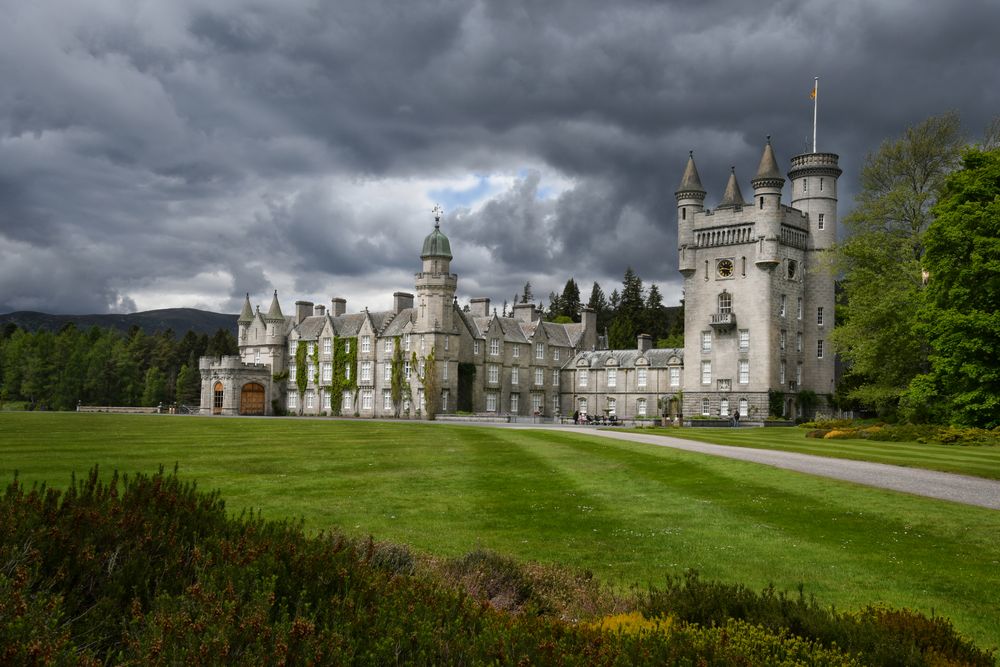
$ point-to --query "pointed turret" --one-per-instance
(274, 312)
(246, 315)
(768, 175)
(690, 187)
(733, 197)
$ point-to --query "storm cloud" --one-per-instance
(162, 154)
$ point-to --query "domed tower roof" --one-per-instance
(274, 312)
(436, 244)
(690, 182)
(246, 315)
(768, 174)
(733, 196)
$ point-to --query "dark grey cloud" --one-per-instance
(176, 153)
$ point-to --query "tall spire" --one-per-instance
(690, 182)
(733, 196)
(246, 315)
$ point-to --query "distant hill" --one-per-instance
(181, 320)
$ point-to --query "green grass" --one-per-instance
(962, 459)
(629, 512)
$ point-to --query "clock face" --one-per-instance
(725, 268)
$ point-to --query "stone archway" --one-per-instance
(218, 394)
(252, 399)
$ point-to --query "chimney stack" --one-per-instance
(589, 320)
(338, 306)
(302, 310)
(479, 307)
(525, 312)
(645, 342)
(401, 301)
(319, 309)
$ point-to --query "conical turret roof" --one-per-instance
(246, 315)
(691, 182)
(274, 312)
(733, 196)
(768, 173)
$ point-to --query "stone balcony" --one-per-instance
(723, 320)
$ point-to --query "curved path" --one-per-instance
(917, 481)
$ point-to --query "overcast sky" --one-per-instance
(177, 153)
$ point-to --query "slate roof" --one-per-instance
(399, 322)
(656, 357)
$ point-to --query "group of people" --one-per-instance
(609, 420)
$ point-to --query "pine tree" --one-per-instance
(526, 294)
(569, 302)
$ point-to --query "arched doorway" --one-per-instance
(252, 399)
(217, 395)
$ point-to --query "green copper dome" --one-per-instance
(436, 245)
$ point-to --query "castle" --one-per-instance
(757, 318)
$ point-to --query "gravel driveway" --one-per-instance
(917, 481)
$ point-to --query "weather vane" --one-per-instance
(438, 212)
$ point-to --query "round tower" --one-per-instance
(435, 284)
(767, 185)
(814, 192)
(690, 200)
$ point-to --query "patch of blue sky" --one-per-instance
(452, 198)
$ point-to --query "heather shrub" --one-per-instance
(817, 433)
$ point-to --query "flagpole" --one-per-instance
(815, 105)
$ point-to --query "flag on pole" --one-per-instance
(812, 93)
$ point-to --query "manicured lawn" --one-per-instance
(629, 512)
(962, 459)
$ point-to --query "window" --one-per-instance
(612, 377)
(293, 400)
(744, 339)
(798, 373)
(821, 185)
(555, 354)
(514, 399)
(744, 371)
(706, 372)
(387, 372)
(475, 347)
(366, 371)
(822, 221)
(516, 350)
(584, 377)
(423, 344)
(346, 401)
(725, 303)
(327, 372)
(724, 407)
(218, 395)
(310, 371)
(782, 337)
(798, 341)
(406, 342)
(347, 345)
(444, 371)
(805, 185)
(256, 356)
(326, 400)
(446, 339)
(347, 372)
(706, 341)
(421, 405)
(581, 405)
(640, 377)
(612, 406)
(366, 399)
(515, 375)
(539, 350)
(387, 346)
(327, 345)
(640, 407)
(491, 402)
(819, 315)
(310, 348)
(309, 400)
(539, 376)
(781, 305)
(744, 407)
(292, 372)
(675, 376)
(781, 372)
(819, 349)
(762, 203)
(420, 368)
(798, 308)
(444, 398)
(492, 373)
(406, 370)
(387, 399)
(494, 346)
(366, 344)
(555, 377)
(293, 347)
(555, 404)
(705, 407)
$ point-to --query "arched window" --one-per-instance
(725, 303)
(217, 396)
